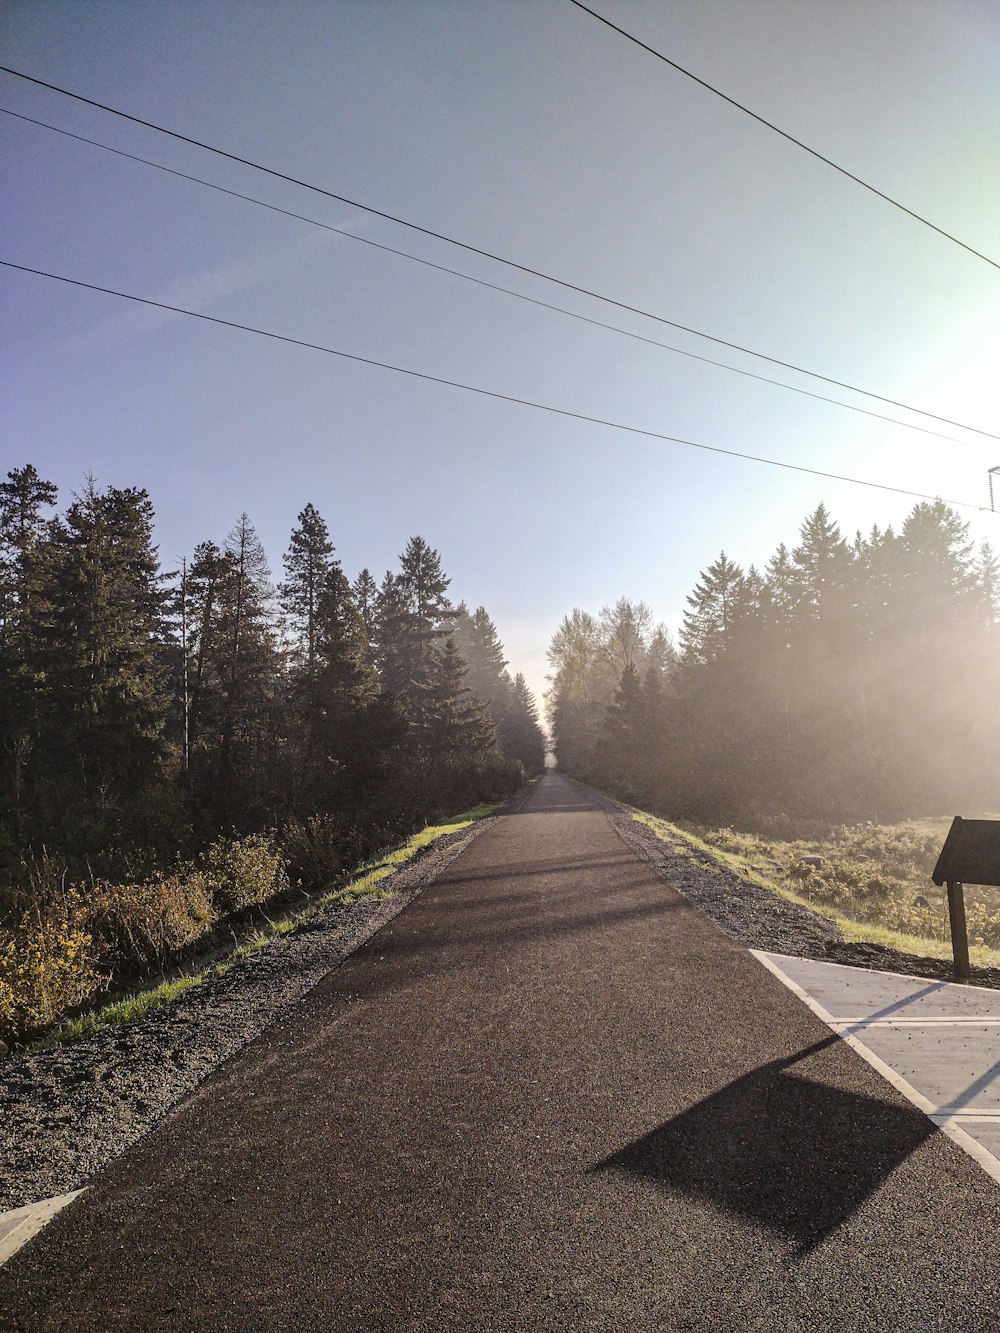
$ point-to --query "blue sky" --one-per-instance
(530, 130)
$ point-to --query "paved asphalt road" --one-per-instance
(550, 1095)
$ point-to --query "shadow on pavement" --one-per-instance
(795, 1155)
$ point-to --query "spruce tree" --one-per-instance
(414, 614)
(712, 612)
(100, 630)
(522, 737)
(23, 497)
(237, 676)
(365, 591)
(454, 725)
(307, 562)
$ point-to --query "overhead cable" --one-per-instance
(483, 392)
(487, 254)
(784, 134)
(492, 286)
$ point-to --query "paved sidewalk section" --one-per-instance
(550, 1096)
(19, 1224)
(937, 1042)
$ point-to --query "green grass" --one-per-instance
(364, 884)
(870, 885)
(120, 1011)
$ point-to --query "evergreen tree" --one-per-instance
(413, 614)
(454, 726)
(207, 577)
(236, 677)
(478, 642)
(522, 736)
(23, 496)
(307, 562)
(623, 734)
(365, 591)
(100, 619)
(350, 725)
(988, 583)
(822, 564)
(712, 611)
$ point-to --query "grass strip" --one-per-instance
(364, 884)
(691, 846)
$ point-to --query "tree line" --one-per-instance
(143, 712)
(848, 680)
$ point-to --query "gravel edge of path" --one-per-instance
(764, 920)
(70, 1110)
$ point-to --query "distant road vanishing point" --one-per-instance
(549, 1095)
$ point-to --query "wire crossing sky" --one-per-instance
(865, 185)
(486, 254)
(484, 392)
(541, 137)
(520, 296)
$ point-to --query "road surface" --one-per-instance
(550, 1095)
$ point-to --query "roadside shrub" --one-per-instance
(47, 962)
(984, 925)
(240, 872)
(138, 925)
(314, 851)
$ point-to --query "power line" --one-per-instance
(486, 393)
(487, 254)
(784, 134)
(491, 286)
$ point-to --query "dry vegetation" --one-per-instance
(70, 944)
(873, 879)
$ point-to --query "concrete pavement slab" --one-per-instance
(937, 1042)
(19, 1224)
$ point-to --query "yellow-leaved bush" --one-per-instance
(47, 962)
(70, 943)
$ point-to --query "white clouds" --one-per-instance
(200, 291)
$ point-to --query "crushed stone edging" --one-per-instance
(67, 1111)
(762, 919)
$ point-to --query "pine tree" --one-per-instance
(365, 591)
(207, 576)
(713, 609)
(307, 562)
(522, 737)
(23, 496)
(623, 733)
(453, 724)
(822, 563)
(236, 676)
(478, 642)
(349, 725)
(413, 615)
(100, 629)
(988, 582)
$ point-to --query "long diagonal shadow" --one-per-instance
(795, 1155)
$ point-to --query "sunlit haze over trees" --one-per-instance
(849, 680)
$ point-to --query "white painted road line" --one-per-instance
(19, 1225)
(918, 1022)
(891, 991)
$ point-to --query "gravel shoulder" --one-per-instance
(764, 920)
(67, 1111)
